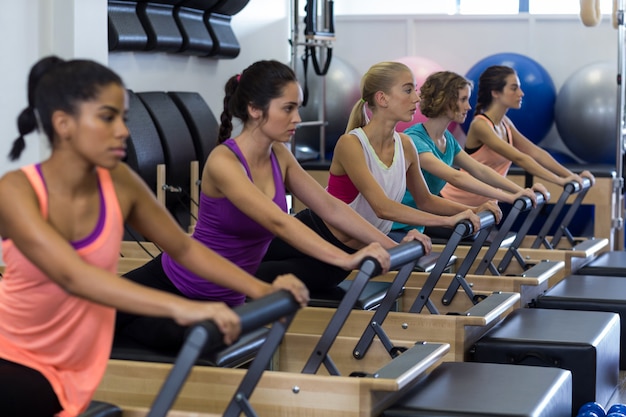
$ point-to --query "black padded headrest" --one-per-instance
(144, 150)
(160, 26)
(126, 33)
(200, 120)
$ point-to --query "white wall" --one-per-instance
(78, 28)
(31, 29)
(19, 49)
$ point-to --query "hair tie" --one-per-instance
(362, 101)
(238, 76)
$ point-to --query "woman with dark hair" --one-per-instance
(61, 221)
(493, 139)
(243, 206)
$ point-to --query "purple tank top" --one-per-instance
(223, 228)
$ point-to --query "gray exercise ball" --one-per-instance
(342, 92)
(586, 113)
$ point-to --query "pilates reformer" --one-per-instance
(528, 284)
(579, 251)
(527, 250)
(277, 309)
(551, 394)
(297, 387)
(464, 319)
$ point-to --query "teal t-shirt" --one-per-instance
(424, 143)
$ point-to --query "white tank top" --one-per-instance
(392, 179)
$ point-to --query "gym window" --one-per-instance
(463, 7)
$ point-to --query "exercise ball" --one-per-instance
(561, 157)
(342, 91)
(421, 68)
(585, 113)
(534, 119)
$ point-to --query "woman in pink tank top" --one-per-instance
(62, 223)
(494, 140)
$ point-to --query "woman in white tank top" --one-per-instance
(373, 164)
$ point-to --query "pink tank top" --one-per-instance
(66, 338)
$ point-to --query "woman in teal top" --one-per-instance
(445, 99)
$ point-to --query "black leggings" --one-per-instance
(282, 258)
(25, 392)
(162, 334)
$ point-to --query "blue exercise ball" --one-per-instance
(585, 113)
(561, 157)
(534, 119)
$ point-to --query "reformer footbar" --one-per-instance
(278, 309)
(404, 257)
(568, 190)
(461, 230)
(404, 369)
(521, 205)
(513, 249)
(541, 239)
(374, 328)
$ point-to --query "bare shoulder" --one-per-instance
(347, 140)
(406, 139)
(123, 175)
(479, 123)
(13, 182)
(282, 152)
(129, 187)
(218, 156)
(408, 146)
(18, 201)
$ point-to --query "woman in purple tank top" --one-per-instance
(243, 206)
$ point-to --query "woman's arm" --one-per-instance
(348, 159)
(153, 221)
(432, 203)
(492, 178)
(521, 154)
(42, 245)
(335, 212)
(544, 159)
(476, 180)
(224, 171)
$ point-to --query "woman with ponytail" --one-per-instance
(61, 221)
(243, 206)
(373, 165)
(493, 139)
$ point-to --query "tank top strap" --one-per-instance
(276, 172)
(33, 174)
(484, 116)
(509, 134)
(232, 145)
